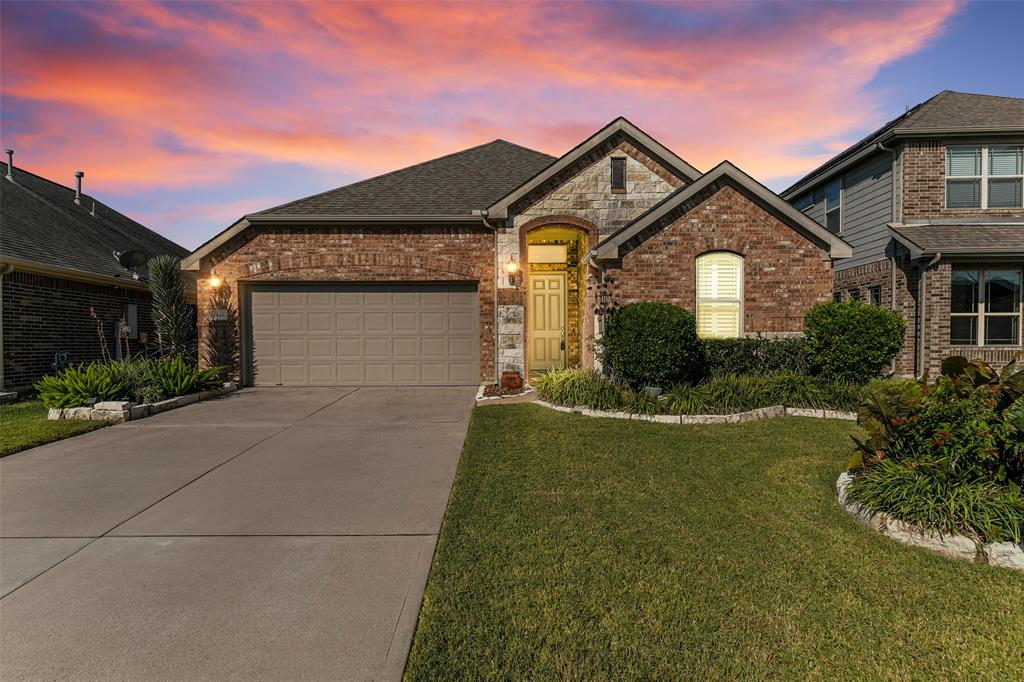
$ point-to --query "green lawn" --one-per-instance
(602, 549)
(24, 425)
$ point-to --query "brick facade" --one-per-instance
(784, 273)
(923, 186)
(585, 201)
(46, 315)
(363, 254)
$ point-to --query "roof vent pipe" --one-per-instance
(78, 186)
(10, 165)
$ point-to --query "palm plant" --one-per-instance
(173, 317)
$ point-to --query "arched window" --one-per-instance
(720, 295)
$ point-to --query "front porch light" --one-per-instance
(512, 270)
(215, 281)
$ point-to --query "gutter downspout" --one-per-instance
(598, 328)
(483, 217)
(5, 269)
(922, 307)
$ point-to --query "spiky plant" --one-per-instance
(173, 317)
(221, 347)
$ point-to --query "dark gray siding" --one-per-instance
(867, 209)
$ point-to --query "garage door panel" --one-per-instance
(374, 334)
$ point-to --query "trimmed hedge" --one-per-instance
(652, 344)
(853, 340)
(756, 355)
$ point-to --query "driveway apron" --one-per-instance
(275, 533)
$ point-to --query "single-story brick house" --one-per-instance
(62, 282)
(500, 259)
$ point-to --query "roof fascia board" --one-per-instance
(192, 260)
(278, 218)
(821, 175)
(837, 248)
(499, 210)
(958, 132)
(37, 268)
(915, 250)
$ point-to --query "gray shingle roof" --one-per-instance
(964, 111)
(948, 110)
(42, 224)
(954, 239)
(456, 184)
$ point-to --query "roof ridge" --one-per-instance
(393, 172)
(983, 94)
(519, 146)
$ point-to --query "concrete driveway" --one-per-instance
(273, 533)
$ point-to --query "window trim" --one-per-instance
(839, 203)
(982, 313)
(611, 173)
(983, 178)
(742, 291)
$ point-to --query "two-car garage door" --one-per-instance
(408, 333)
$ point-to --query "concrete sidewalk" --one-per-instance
(273, 533)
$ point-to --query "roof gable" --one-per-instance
(591, 149)
(454, 184)
(685, 199)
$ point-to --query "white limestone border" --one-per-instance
(118, 411)
(481, 398)
(1005, 554)
(736, 418)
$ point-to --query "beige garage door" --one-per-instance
(374, 335)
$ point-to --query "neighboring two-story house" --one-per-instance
(932, 205)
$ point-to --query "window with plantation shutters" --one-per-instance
(719, 295)
(985, 176)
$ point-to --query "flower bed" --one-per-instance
(734, 418)
(122, 411)
(1005, 554)
(496, 392)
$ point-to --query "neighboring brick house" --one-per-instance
(932, 205)
(58, 267)
(499, 259)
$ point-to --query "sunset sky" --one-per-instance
(187, 115)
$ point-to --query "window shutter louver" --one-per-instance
(1005, 160)
(719, 295)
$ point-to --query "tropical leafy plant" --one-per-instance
(173, 317)
(78, 384)
(177, 377)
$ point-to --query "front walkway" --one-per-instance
(273, 533)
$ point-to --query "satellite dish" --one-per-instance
(130, 260)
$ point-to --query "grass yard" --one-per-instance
(602, 549)
(24, 425)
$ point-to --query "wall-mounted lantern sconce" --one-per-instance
(513, 272)
(215, 281)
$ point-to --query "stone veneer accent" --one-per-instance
(784, 272)
(363, 254)
(586, 196)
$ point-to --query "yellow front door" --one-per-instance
(547, 321)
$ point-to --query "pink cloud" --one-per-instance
(354, 89)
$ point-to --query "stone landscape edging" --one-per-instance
(480, 397)
(121, 411)
(1004, 554)
(736, 418)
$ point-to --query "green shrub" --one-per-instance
(755, 355)
(77, 385)
(221, 348)
(651, 344)
(176, 377)
(852, 341)
(979, 508)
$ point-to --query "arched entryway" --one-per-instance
(559, 319)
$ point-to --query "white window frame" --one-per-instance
(982, 179)
(839, 202)
(705, 299)
(982, 313)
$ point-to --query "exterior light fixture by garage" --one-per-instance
(215, 281)
(513, 272)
